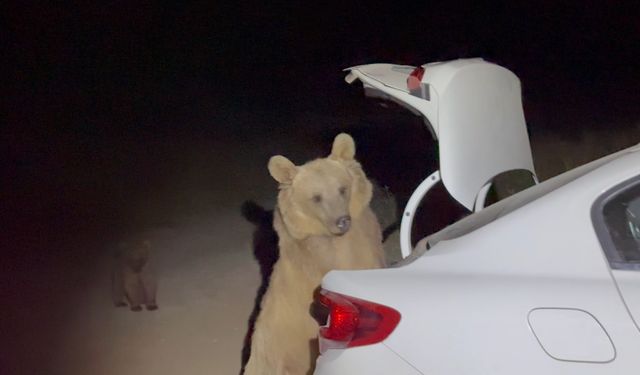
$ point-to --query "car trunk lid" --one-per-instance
(472, 107)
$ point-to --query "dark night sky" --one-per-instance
(83, 79)
(147, 63)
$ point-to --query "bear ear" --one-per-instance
(361, 190)
(343, 147)
(282, 169)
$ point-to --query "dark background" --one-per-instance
(95, 95)
(83, 80)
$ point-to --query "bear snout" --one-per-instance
(343, 223)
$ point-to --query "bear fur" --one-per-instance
(132, 279)
(324, 222)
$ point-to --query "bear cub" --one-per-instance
(133, 283)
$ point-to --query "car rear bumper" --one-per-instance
(370, 360)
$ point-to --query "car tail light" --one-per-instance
(415, 85)
(414, 81)
(354, 322)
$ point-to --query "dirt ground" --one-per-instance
(62, 320)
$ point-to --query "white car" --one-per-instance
(546, 281)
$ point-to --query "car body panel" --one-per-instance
(465, 303)
(628, 283)
(370, 360)
(474, 110)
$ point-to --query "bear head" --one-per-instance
(134, 254)
(323, 196)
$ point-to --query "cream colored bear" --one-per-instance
(324, 223)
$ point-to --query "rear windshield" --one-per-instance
(616, 217)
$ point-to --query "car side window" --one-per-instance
(616, 218)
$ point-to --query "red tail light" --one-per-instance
(414, 81)
(354, 322)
